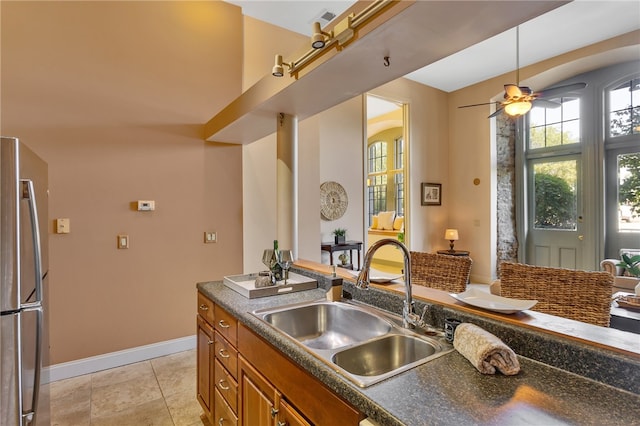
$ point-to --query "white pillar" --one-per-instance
(287, 182)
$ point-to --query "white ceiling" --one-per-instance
(569, 27)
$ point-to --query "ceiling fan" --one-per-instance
(519, 99)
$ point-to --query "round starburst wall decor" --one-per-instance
(333, 201)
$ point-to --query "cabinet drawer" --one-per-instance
(226, 354)
(224, 416)
(205, 308)
(227, 325)
(227, 387)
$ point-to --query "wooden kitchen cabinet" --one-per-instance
(205, 308)
(205, 372)
(258, 397)
(226, 385)
(227, 325)
(288, 416)
(262, 403)
(224, 415)
(293, 384)
(217, 364)
(243, 380)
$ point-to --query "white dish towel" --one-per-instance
(484, 350)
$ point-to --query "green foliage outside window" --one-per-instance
(554, 203)
(629, 189)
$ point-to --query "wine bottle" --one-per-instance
(276, 269)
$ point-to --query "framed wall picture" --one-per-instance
(431, 194)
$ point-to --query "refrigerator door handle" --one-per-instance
(28, 193)
(28, 417)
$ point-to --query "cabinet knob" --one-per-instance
(282, 423)
(223, 324)
(274, 411)
(223, 353)
(209, 342)
(204, 307)
(221, 421)
(222, 385)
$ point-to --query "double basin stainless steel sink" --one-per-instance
(364, 344)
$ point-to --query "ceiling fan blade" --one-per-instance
(512, 91)
(526, 91)
(543, 103)
(474, 105)
(497, 112)
(556, 91)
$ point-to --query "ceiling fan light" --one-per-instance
(515, 109)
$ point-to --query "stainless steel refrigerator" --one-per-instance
(24, 345)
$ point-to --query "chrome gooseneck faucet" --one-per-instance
(409, 318)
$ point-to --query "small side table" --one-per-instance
(622, 318)
(346, 246)
(454, 252)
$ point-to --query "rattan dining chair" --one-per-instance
(579, 295)
(448, 273)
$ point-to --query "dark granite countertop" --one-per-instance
(449, 390)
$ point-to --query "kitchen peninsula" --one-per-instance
(448, 390)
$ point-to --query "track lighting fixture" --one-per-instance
(318, 38)
(343, 33)
(278, 69)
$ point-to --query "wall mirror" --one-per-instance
(386, 184)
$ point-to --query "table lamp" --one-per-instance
(451, 235)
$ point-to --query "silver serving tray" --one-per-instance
(246, 285)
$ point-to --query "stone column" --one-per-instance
(507, 238)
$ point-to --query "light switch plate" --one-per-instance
(210, 237)
(123, 241)
(63, 226)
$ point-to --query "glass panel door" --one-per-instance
(554, 218)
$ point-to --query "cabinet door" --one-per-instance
(289, 416)
(205, 365)
(258, 398)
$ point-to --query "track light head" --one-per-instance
(278, 67)
(277, 70)
(318, 40)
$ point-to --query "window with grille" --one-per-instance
(554, 124)
(624, 109)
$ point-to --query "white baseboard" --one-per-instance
(96, 363)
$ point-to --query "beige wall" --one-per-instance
(113, 95)
(341, 146)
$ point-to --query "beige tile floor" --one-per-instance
(158, 392)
